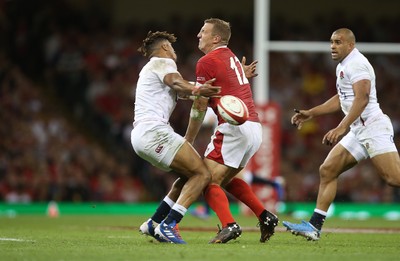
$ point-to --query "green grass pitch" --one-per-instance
(116, 237)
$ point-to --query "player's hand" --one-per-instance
(249, 70)
(207, 89)
(333, 136)
(299, 117)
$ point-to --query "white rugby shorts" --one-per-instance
(371, 140)
(156, 142)
(232, 145)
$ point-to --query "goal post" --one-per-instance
(263, 46)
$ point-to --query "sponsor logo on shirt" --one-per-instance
(201, 79)
(159, 148)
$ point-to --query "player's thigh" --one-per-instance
(156, 143)
(188, 162)
(338, 160)
(388, 167)
(220, 173)
(233, 146)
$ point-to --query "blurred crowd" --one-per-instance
(67, 86)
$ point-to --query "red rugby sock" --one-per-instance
(218, 201)
(243, 192)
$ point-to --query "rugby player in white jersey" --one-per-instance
(364, 132)
(154, 140)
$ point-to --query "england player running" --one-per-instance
(152, 137)
(367, 132)
(231, 147)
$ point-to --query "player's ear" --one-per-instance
(217, 38)
(164, 46)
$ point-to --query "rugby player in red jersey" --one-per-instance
(231, 146)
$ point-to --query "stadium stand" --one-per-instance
(67, 83)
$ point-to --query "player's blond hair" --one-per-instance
(221, 28)
(153, 38)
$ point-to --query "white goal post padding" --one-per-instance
(301, 46)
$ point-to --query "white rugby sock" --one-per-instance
(320, 212)
(169, 201)
(180, 209)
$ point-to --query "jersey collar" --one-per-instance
(349, 56)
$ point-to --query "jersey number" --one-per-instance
(235, 65)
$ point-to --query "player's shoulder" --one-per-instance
(162, 65)
(359, 62)
(218, 56)
(162, 60)
(207, 61)
(222, 52)
(208, 57)
(358, 58)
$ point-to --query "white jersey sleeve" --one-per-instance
(155, 100)
(360, 70)
(353, 68)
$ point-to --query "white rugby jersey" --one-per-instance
(353, 68)
(154, 99)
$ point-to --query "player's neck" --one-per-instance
(218, 47)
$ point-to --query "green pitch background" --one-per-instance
(103, 235)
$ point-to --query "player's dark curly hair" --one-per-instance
(152, 39)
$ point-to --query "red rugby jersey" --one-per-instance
(223, 65)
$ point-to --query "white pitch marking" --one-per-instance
(14, 239)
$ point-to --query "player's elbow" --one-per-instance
(364, 100)
(174, 80)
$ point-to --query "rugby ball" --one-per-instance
(233, 110)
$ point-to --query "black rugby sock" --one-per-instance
(161, 212)
(173, 215)
(317, 220)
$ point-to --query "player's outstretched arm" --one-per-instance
(330, 106)
(183, 87)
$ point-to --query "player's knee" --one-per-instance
(206, 175)
(326, 172)
(391, 175)
(393, 180)
(217, 179)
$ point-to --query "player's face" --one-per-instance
(206, 38)
(340, 47)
